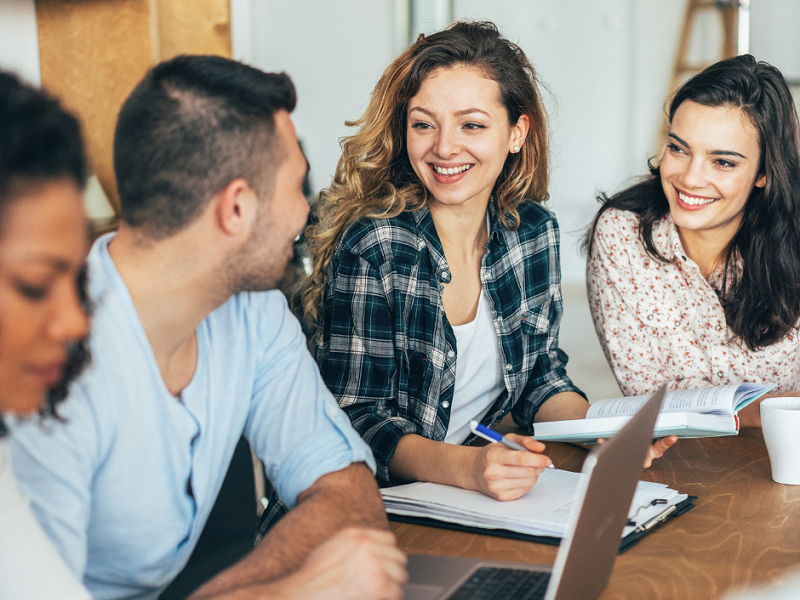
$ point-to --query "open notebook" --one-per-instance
(544, 512)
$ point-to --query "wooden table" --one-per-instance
(744, 529)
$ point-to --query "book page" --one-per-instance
(712, 400)
(749, 392)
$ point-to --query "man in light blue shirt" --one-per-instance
(190, 352)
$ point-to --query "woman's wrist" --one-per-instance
(468, 467)
(419, 459)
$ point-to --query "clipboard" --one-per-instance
(628, 542)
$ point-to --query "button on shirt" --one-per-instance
(386, 349)
(663, 322)
(124, 488)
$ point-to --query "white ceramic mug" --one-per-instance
(780, 421)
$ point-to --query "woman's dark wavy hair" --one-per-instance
(762, 301)
(40, 142)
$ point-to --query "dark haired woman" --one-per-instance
(694, 273)
(437, 278)
(43, 244)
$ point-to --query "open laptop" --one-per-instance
(589, 547)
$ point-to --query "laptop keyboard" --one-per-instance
(492, 583)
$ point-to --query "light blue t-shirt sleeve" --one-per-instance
(294, 425)
(54, 464)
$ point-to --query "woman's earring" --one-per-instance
(516, 149)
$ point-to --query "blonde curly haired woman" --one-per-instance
(436, 288)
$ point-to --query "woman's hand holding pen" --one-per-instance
(506, 474)
(498, 470)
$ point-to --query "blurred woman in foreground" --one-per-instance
(43, 320)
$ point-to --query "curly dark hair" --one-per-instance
(78, 357)
(40, 142)
(762, 304)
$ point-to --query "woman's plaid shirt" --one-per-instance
(387, 350)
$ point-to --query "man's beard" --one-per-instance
(254, 281)
(258, 266)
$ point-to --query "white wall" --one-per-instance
(334, 52)
(19, 39)
(774, 26)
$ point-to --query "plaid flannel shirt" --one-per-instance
(387, 351)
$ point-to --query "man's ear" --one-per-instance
(236, 207)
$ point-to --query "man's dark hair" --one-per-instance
(40, 142)
(193, 125)
(762, 301)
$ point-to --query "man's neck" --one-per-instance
(173, 292)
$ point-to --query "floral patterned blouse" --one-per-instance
(663, 322)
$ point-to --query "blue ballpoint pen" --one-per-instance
(494, 437)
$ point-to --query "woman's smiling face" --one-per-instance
(458, 135)
(710, 167)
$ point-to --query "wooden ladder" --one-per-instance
(728, 11)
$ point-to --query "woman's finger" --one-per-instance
(526, 441)
(517, 458)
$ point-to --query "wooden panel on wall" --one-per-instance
(193, 27)
(94, 52)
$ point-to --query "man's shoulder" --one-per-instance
(248, 325)
(100, 268)
(246, 311)
(116, 336)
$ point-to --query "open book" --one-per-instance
(705, 412)
(543, 512)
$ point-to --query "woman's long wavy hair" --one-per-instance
(374, 177)
(762, 300)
